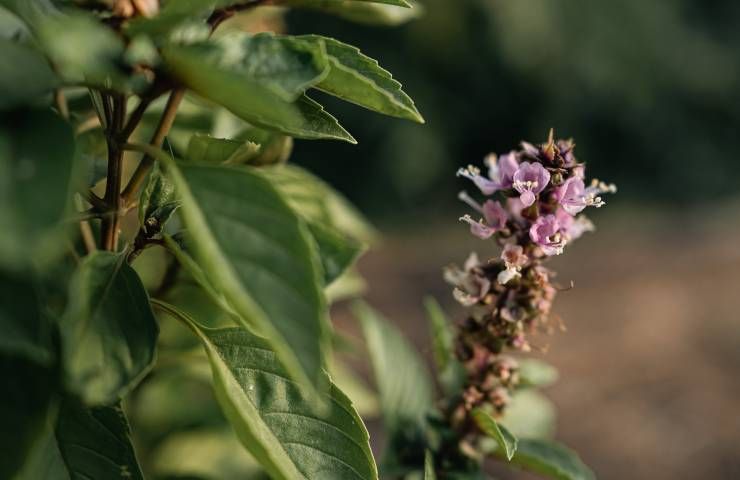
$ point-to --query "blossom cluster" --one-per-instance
(536, 196)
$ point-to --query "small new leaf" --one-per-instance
(506, 441)
(359, 79)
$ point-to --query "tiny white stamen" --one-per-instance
(463, 196)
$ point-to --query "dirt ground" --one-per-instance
(650, 362)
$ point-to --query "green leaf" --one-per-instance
(317, 202)
(376, 14)
(536, 373)
(158, 202)
(359, 79)
(506, 441)
(201, 68)
(44, 461)
(398, 3)
(206, 149)
(257, 252)
(80, 47)
(338, 252)
(402, 379)
(25, 75)
(429, 466)
(108, 332)
(551, 460)
(36, 163)
(284, 64)
(208, 453)
(273, 416)
(24, 406)
(24, 330)
(530, 415)
(91, 155)
(96, 442)
(451, 373)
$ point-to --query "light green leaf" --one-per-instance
(530, 415)
(206, 149)
(286, 65)
(536, 373)
(317, 202)
(25, 75)
(95, 443)
(108, 332)
(24, 330)
(506, 441)
(359, 79)
(36, 163)
(551, 460)
(275, 148)
(256, 251)
(429, 466)
(24, 406)
(200, 67)
(450, 371)
(349, 285)
(364, 400)
(274, 417)
(367, 13)
(208, 453)
(157, 203)
(401, 377)
(340, 3)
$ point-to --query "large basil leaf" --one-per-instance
(24, 330)
(25, 75)
(206, 69)
(274, 417)
(257, 252)
(108, 331)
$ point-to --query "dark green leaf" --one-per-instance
(23, 328)
(274, 417)
(95, 443)
(536, 373)
(180, 20)
(206, 149)
(257, 252)
(551, 460)
(24, 407)
(401, 377)
(109, 332)
(506, 441)
(359, 79)
(91, 155)
(398, 3)
(36, 163)
(337, 251)
(450, 371)
(201, 68)
(158, 202)
(25, 75)
(45, 462)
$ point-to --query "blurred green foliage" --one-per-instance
(649, 90)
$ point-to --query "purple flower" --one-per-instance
(514, 259)
(503, 169)
(574, 196)
(500, 173)
(494, 214)
(529, 180)
(573, 227)
(545, 232)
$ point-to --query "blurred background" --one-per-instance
(650, 91)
